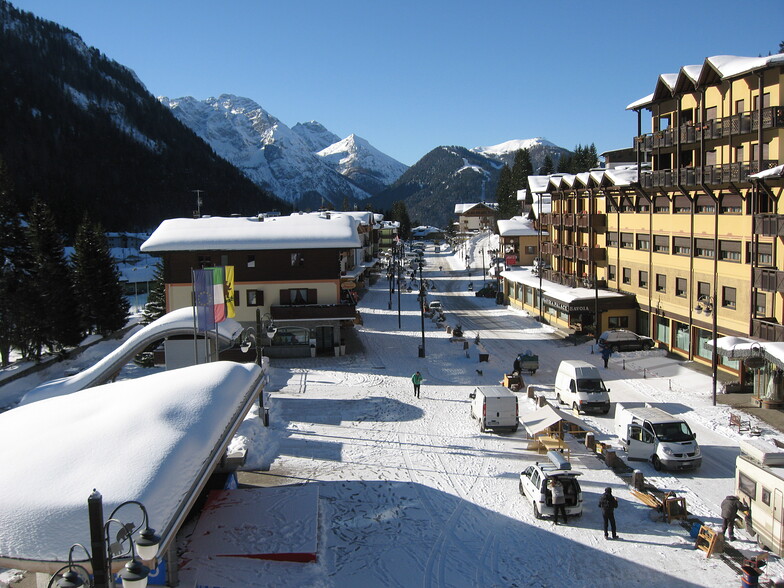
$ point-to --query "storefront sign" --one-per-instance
(579, 306)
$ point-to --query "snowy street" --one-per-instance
(411, 493)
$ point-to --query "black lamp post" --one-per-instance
(422, 294)
(134, 574)
(706, 304)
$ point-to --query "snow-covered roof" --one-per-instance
(565, 294)
(537, 421)
(516, 226)
(463, 208)
(743, 347)
(152, 439)
(521, 195)
(543, 201)
(298, 231)
(538, 183)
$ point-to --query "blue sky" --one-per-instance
(409, 76)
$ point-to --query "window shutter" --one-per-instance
(285, 297)
(312, 296)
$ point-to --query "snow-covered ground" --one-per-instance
(412, 494)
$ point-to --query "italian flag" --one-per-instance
(218, 294)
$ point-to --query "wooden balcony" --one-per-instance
(314, 312)
(555, 219)
(596, 254)
(689, 134)
(568, 251)
(547, 219)
(710, 174)
(597, 222)
(568, 220)
(769, 225)
(767, 329)
(769, 279)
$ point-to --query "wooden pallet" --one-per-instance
(648, 499)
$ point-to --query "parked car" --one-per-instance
(623, 340)
(435, 305)
(487, 291)
(534, 480)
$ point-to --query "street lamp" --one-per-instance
(422, 294)
(706, 305)
(134, 574)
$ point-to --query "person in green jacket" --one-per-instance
(417, 380)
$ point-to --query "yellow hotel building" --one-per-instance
(691, 234)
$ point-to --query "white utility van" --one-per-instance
(649, 433)
(495, 407)
(578, 384)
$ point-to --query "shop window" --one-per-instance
(618, 322)
(682, 338)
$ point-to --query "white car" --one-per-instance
(534, 480)
(435, 305)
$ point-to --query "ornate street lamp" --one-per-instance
(134, 574)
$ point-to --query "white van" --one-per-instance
(578, 384)
(649, 433)
(495, 407)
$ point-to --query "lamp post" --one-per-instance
(134, 574)
(706, 305)
(422, 294)
(250, 335)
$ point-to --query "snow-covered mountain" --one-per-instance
(363, 164)
(284, 160)
(537, 147)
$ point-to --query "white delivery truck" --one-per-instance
(759, 483)
(649, 433)
(578, 384)
(495, 407)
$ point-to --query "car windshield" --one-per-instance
(591, 385)
(673, 432)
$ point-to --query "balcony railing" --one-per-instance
(710, 174)
(341, 311)
(767, 329)
(591, 254)
(568, 251)
(597, 222)
(769, 279)
(737, 124)
(769, 225)
(568, 220)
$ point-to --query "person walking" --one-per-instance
(417, 380)
(729, 510)
(558, 498)
(608, 504)
(606, 353)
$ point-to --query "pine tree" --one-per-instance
(565, 164)
(400, 214)
(103, 306)
(156, 299)
(505, 194)
(53, 319)
(547, 166)
(14, 271)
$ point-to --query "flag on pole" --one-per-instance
(230, 312)
(203, 299)
(218, 294)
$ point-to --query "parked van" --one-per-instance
(495, 407)
(534, 480)
(759, 482)
(649, 433)
(578, 384)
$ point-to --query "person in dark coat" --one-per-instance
(516, 365)
(606, 353)
(608, 504)
(729, 510)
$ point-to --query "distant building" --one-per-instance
(477, 216)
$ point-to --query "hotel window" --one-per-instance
(627, 205)
(643, 279)
(760, 305)
(704, 248)
(705, 205)
(612, 239)
(681, 246)
(755, 150)
(661, 204)
(298, 296)
(643, 204)
(764, 254)
(729, 251)
(730, 204)
(703, 289)
(627, 240)
(627, 275)
(254, 297)
(661, 244)
(765, 101)
(710, 157)
(740, 106)
(204, 261)
(681, 287)
(611, 273)
(727, 297)
(739, 154)
(681, 205)
(643, 242)
(297, 259)
(661, 283)
(251, 261)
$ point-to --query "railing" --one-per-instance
(597, 222)
(767, 329)
(769, 225)
(568, 220)
(591, 254)
(737, 124)
(710, 174)
(769, 280)
(568, 251)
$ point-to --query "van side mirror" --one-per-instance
(472, 395)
